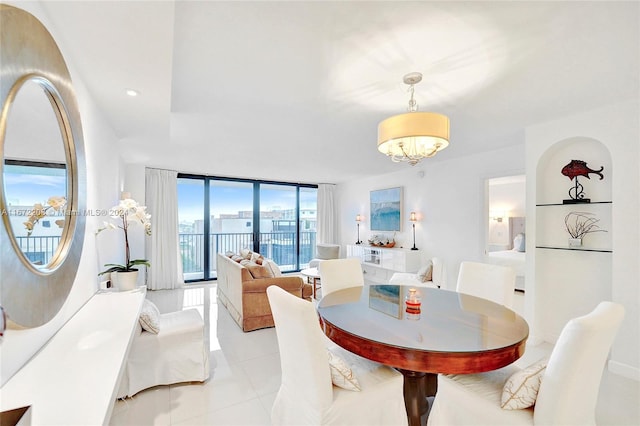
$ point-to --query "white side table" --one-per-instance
(313, 278)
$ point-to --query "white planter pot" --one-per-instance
(575, 242)
(124, 281)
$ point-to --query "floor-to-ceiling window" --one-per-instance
(191, 226)
(230, 218)
(217, 215)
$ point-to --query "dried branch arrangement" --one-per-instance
(579, 224)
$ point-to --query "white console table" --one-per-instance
(74, 378)
(379, 263)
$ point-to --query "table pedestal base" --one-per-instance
(417, 387)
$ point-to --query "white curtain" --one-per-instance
(163, 251)
(327, 215)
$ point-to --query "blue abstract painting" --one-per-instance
(385, 209)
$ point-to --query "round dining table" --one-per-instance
(453, 333)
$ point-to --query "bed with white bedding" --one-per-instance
(513, 258)
(516, 257)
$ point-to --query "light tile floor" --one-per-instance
(245, 376)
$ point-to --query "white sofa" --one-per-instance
(437, 276)
(176, 354)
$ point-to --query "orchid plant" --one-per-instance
(128, 212)
(40, 211)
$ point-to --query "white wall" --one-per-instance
(617, 127)
(102, 164)
(449, 199)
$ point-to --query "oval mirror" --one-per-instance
(35, 175)
(42, 173)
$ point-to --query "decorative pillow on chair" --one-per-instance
(425, 273)
(341, 374)
(521, 389)
(150, 317)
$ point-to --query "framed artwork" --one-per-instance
(385, 209)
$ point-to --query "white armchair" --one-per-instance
(568, 388)
(492, 282)
(177, 353)
(306, 395)
(325, 252)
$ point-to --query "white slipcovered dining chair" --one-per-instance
(306, 395)
(493, 282)
(415, 280)
(337, 274)
(568, 389)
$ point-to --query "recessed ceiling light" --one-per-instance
(132, 92)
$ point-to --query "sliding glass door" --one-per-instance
(220, 214)
(230, 218)
(191, 226)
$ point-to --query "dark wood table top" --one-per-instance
(456, 333)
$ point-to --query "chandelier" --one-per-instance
(414, 135)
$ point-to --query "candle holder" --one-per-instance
(413, 304)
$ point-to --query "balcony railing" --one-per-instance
(39, 250)
(279, 246)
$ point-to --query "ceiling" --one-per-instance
(294, 91)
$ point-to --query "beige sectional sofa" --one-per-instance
(242, 288)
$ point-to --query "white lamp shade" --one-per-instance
(413, 134)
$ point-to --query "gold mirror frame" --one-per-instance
(32, 295)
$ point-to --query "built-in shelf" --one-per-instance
(574, 204)
(575, 249)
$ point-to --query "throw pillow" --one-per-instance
(255, 257)
(519, 242)
(229, 254)
(275, 269)
(237, 258)
(246, 253)
(341, 374)
(521, 389)
(259, 271)
(425, 273)
(150, 317)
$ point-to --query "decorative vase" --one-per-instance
(575, 242)
(125, 280)
(412, 304)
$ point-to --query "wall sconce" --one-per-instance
(497, 215)
(413, 219)
(358, 220)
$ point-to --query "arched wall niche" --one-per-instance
(571, 281)
(551, 186)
